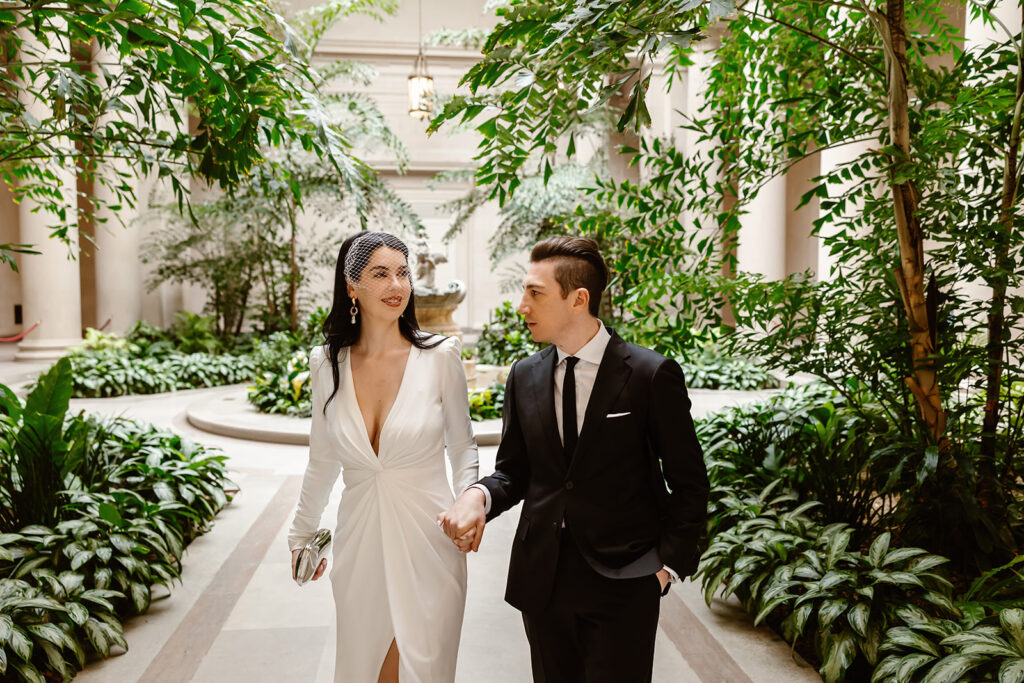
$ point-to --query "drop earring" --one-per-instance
(354, 311)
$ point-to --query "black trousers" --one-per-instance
(594, 629)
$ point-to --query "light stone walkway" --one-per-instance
(237, 616)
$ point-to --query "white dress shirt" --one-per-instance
(586, 374)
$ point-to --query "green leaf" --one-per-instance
(977, 642)
(911, 640)
(902, 554)
(1012, 621)
(98, 636)
(839, 654)
(111, 514)
(952, 668)
(831, 610)
(20, 644)
(878, 550)
(28, 672)
(885, 670)
(909, 664)
(858, 617)
(1012, 671)
(52, 393)
(140, 597)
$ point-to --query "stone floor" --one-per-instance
(237, 616)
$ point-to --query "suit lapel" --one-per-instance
(612, 377)
(542, 381)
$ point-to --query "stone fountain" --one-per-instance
(434, 306)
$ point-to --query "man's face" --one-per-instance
(547, 313)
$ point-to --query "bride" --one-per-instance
(387, 399)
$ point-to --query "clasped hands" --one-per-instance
(465, 520)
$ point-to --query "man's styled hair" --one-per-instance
(578, 265)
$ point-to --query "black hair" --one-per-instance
(339, 330)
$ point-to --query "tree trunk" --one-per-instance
(923, 383)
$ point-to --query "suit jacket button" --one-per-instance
(568, 486)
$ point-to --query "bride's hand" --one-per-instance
(465, 542)
(319, 570)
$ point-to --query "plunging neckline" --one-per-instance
(359, 411)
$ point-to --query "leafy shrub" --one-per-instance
(93, 513)
(505, 338)
(941, 651)
(102, 374)
(287, 392)
(707, 369)
(809, 438)
(773, 557)
(487, 404)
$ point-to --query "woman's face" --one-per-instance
(385, 285)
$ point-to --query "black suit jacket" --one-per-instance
(613, 493)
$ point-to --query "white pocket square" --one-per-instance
(617, 414)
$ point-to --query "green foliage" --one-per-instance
(816, 443)
(776, 559)
(92, 517)
(253, 248)
(854, 596)
(548, 65)
(282, 382)
(102, 374)
(942, 651)
(505, 338)
(708, 369)
(35, 453)
(233, 62)
(541, 207)
(487, 403)
(286, 391)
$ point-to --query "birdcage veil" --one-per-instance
(361, 253)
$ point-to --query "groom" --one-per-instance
(594, 428)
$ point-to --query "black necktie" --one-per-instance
(570, 433)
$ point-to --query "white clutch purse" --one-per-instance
(310, 555)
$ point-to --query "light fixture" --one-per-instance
(421, 85)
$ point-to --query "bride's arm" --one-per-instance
(458, 427)
(323, 467)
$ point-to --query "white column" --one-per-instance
(978, 34)
(51, 292)
(801, 247)
(762, 238)
(10, 281)
(831, 159)
(118, 268)
(696, 87)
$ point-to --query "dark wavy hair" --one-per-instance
(339, 330)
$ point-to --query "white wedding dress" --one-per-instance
(395, 574)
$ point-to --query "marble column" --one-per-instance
(50, 285)
(117, 266)
(977, 36)
(801, 246)
(703, 58)
(762, 239)
(832, 159)
(10, 281)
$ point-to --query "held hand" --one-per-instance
(465, 542)
(664, 578)
(319, 570)
(465, 515)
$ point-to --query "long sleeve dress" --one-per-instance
(395, 574)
